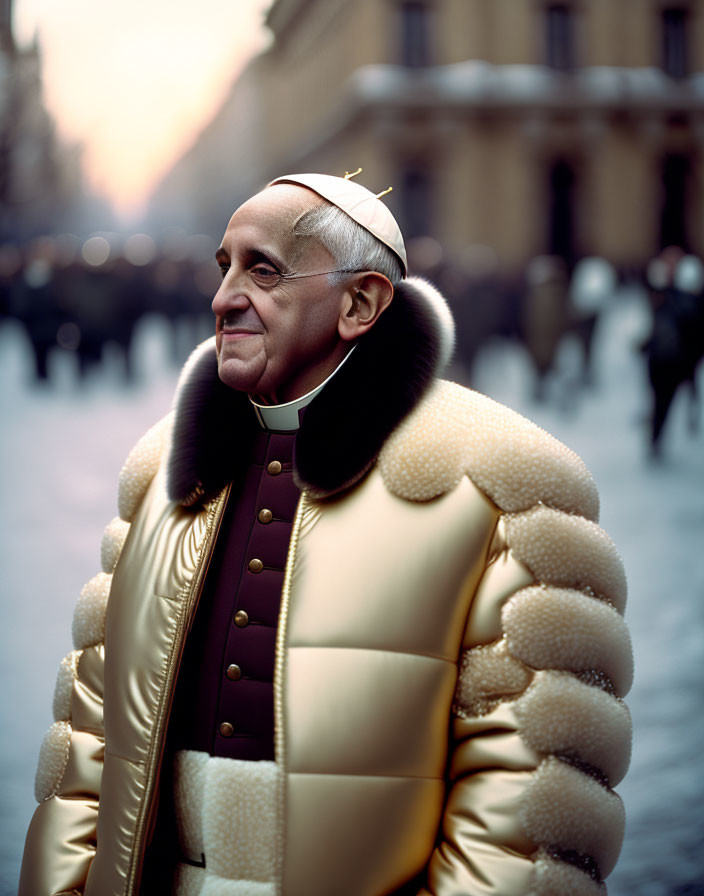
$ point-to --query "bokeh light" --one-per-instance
(96, 251)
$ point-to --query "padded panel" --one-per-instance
(113, 539)
(563, 807)
(65, 678)
(569, 551)
(89, 616)
(559, 714)
(357, 712)
(53, 756)
(561, 628)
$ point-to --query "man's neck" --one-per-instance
(285, 417)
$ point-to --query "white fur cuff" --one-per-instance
(227, 809)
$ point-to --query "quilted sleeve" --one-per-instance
(61, 840)
(540, 731)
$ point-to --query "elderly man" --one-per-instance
(357, 631)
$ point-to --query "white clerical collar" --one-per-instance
(284, 417)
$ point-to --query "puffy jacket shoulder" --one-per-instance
(456, 432)
(141, 465)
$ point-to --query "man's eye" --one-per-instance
(264, 273)
(224, 268)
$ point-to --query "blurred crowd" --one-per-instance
(80, 297)
(539, 310)
(552, 304)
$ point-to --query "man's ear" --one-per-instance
(365, 299)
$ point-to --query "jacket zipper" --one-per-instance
(279, 671)
(158, 743)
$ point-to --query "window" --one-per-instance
(674, 42)
(673, 220)
(6, 39)
(415, 202)
(414, 34)
(561, 210)
(559, 42)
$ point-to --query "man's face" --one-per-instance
(276, 338)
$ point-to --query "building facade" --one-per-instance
(519, 127)
(41, 188)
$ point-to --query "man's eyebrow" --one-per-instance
(251, 253)
(267, 255)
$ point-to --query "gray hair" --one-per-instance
(352, 247)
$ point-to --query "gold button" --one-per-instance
(255, 565)
(234, 673)
(274, 468)
(265, 516)
(227, 730)
(241, 619)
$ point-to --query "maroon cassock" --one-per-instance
(224, 703)
(224, 699)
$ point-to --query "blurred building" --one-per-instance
(529, 127)
(40, 177)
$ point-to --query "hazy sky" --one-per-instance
(134, 80)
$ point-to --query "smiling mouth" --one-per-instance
(236, 333)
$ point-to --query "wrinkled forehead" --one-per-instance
(272, 214)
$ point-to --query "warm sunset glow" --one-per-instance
(134, 82)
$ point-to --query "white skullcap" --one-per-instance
(359, 203)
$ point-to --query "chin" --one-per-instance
(239, 375)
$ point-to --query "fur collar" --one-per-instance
(343, 428)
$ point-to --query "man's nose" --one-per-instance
(232, 294)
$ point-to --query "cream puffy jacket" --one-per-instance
(450, 664)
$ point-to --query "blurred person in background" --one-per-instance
(592, 286)
(482, 305)
(36, 302)
(675, 345)
(10, 273)
(357, 629)
(689, 282)
(544, 315)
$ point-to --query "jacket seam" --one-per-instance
(370, 775)
(425, 656)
